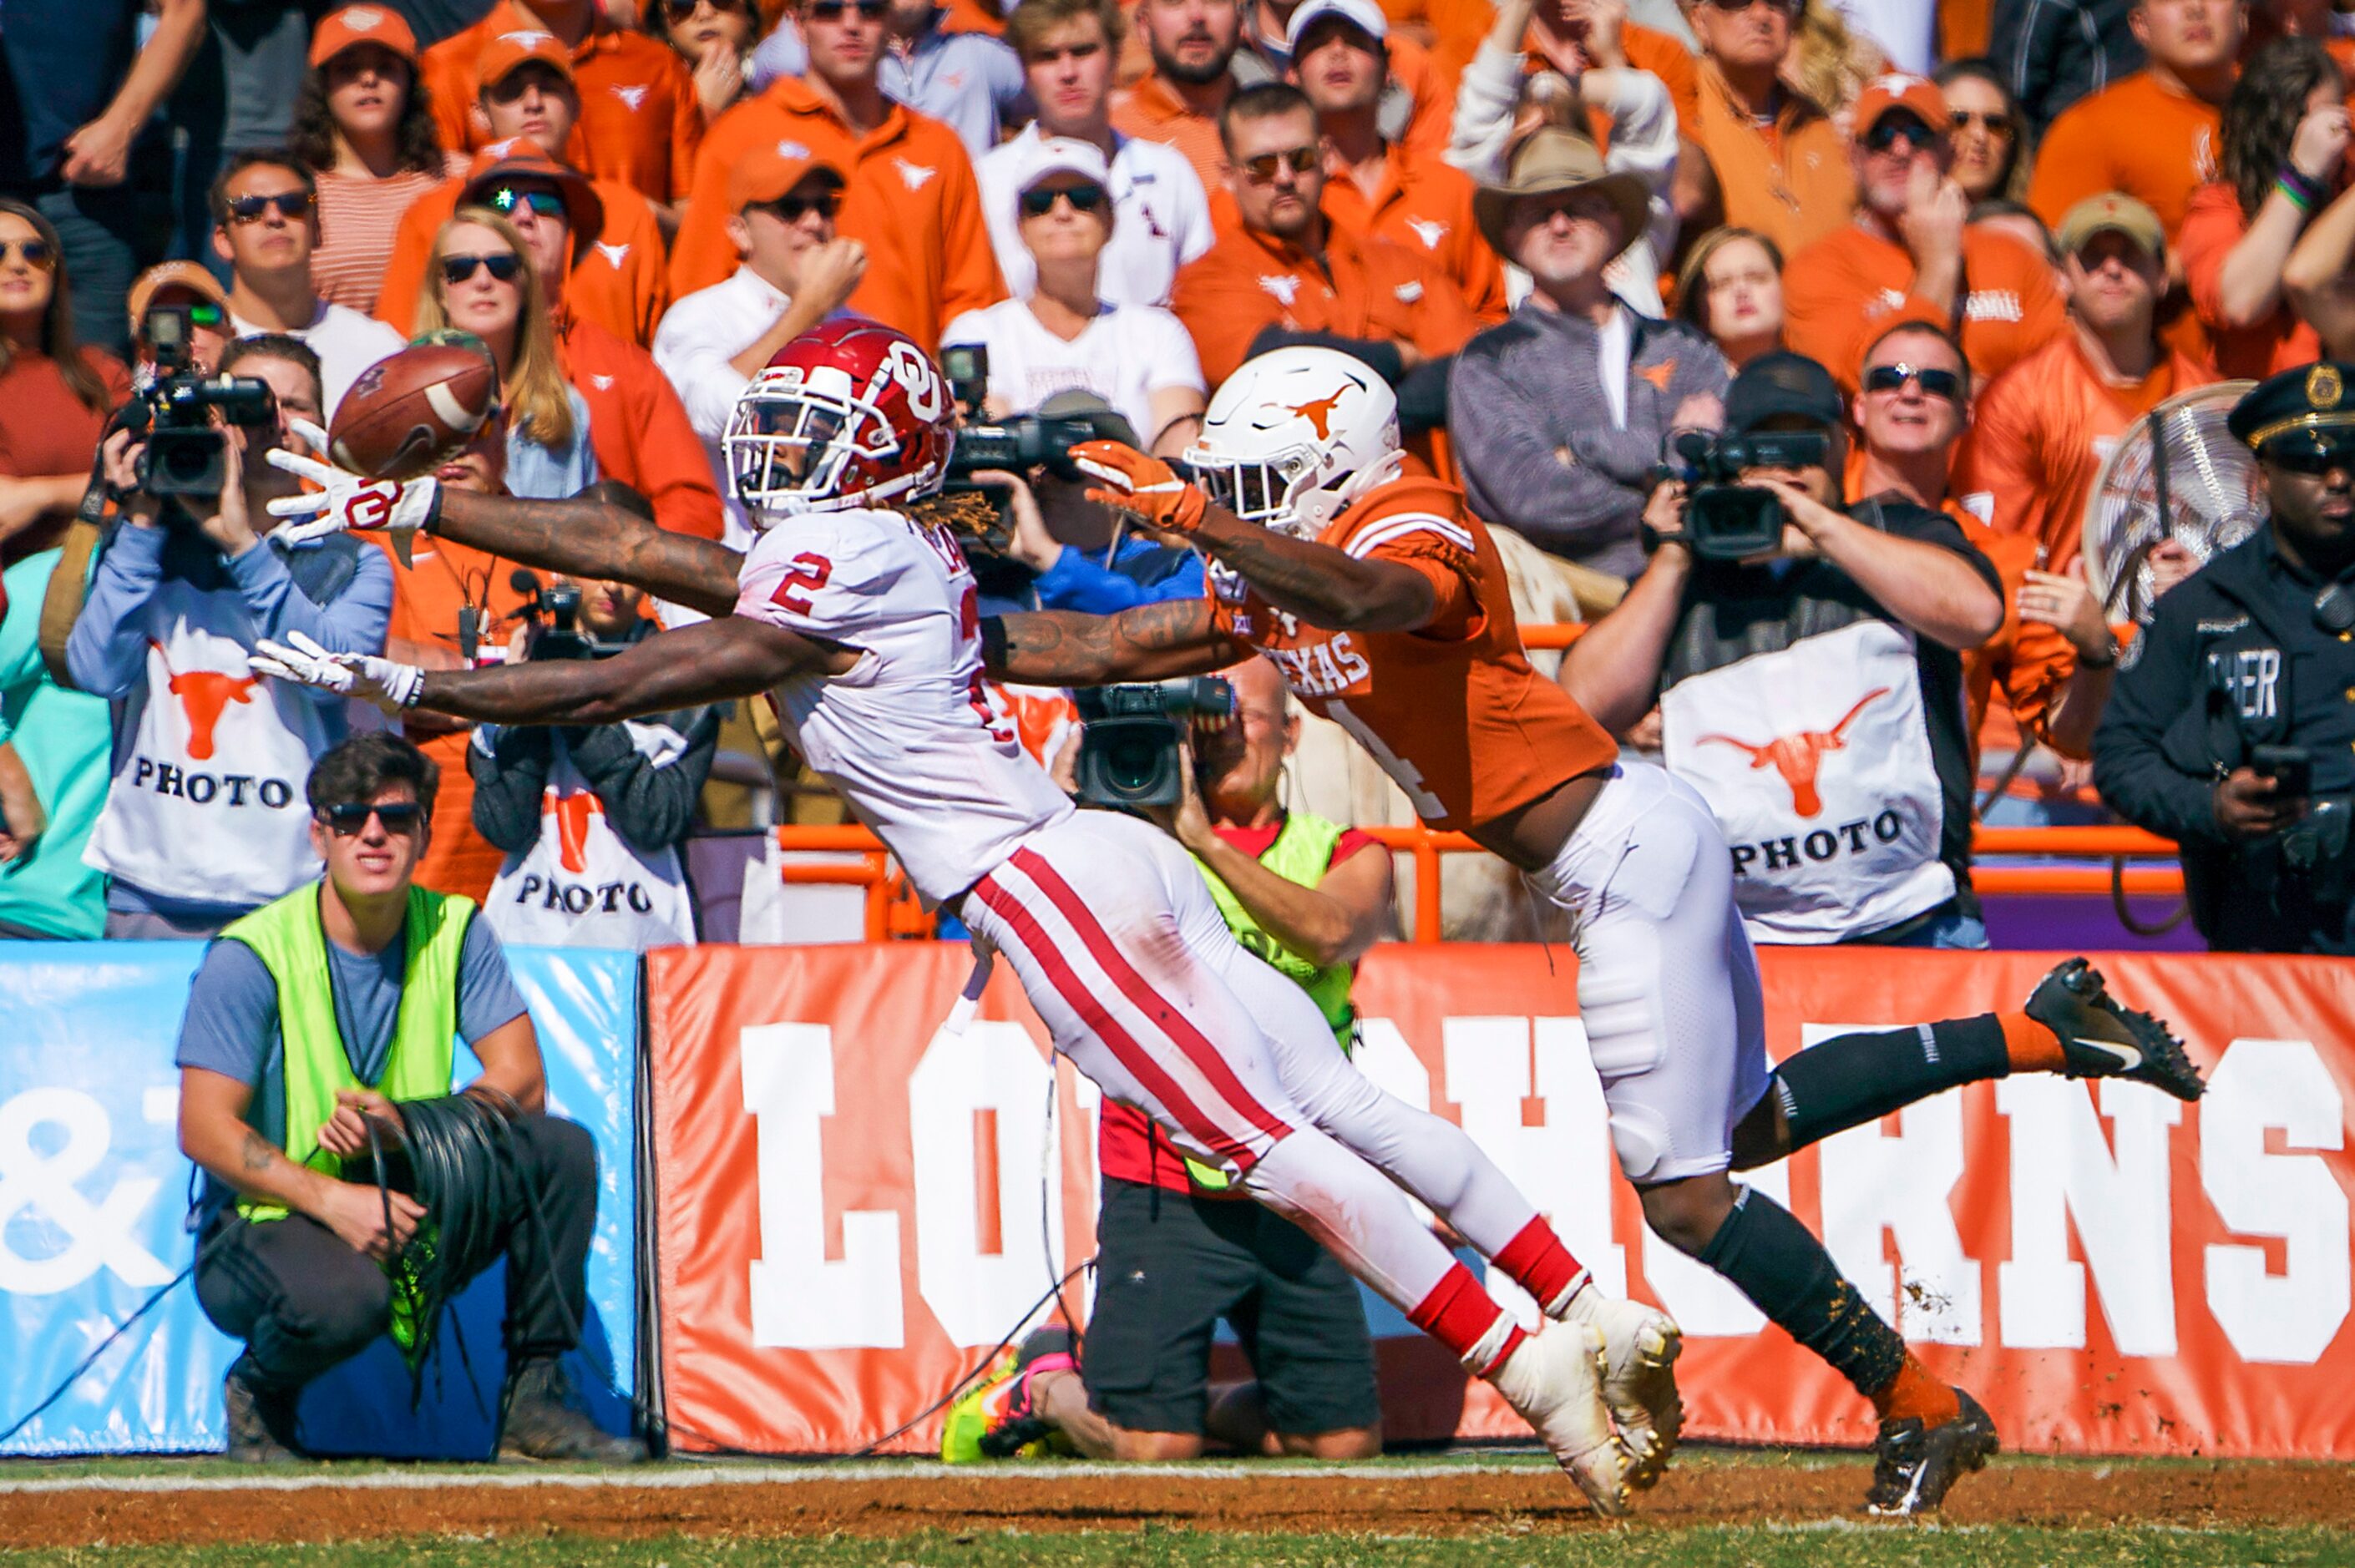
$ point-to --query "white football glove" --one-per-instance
(384, 682)
(347, 501)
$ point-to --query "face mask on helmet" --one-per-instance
(1293, 436)
(1266, 493)
(798, 443)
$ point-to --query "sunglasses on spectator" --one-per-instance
(1783, 5)
(35, 253)
(352, 815)
(1890, 129)
(546, 203)
(832, 10)
(1993, 123)
(680, 10)
(1263, 168)
(290, 205)
(1088, 198)
(1934, 383)
(792, 209)
(503, 264)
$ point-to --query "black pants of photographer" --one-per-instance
(303, 1301)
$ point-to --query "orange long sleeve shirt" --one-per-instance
(1790, 181)
(640, 121)
(639, 430)
(2156, 145)
(911, 199)
(2210, 229)
(1425, 206)
(1842, 291)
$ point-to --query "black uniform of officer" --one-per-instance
(2232, 729)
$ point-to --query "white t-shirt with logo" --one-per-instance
(1124, 355)
(346, 344)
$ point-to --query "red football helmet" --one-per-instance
(851, 413)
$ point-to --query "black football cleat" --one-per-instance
(2103, 1040)
(1914, 1465)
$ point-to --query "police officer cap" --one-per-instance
(2312, 407)
(1782, 384)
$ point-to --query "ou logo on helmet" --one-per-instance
(927, 393)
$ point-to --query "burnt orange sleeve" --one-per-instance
(2210, 229)
(1223, 310)
(672, 470)
(700, 254)
(1668, 60)
(447, 70)
(1456, 607)
(2073, 161)
(2040, 664)
(971, 281)
(404, 270)
(1432, 118)
(687, 133)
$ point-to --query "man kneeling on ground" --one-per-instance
(313, 1021)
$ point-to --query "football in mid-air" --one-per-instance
(413, 411)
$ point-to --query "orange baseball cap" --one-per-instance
(771, 171)
(379, 24)
(505, 53)
(1917, 95)
(183, 275)
(520, 157)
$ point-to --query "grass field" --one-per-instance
(1720, 1508)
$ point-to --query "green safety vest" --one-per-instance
(287, 935)
(1301, 853)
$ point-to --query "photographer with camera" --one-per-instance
(590, 816)
(2231, 728)
(204, 819)
(1180, 1252)
(1805, 657)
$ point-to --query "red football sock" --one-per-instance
(1538, 1262)
(1464, 1317)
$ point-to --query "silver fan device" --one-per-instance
(2176, 474)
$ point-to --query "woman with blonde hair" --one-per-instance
(479, 279)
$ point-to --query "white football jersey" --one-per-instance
(913, 736)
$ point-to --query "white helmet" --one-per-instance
(1295, 436)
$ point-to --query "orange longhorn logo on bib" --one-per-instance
(1799, 757)
(572, 813)
(205, 695)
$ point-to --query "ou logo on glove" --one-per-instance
(368, 508)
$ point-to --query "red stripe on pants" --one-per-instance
(1180, 1029)
(1098, 1017)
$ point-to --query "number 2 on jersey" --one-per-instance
(811, 571)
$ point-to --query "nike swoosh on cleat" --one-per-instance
(2128, 1058)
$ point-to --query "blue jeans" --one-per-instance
(99, 228)
(1950, 927)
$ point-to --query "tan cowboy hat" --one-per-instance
(1557, 160)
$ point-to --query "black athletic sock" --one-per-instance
(1855, 1078)
(1783, 1268)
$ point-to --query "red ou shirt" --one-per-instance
(1128, 1147)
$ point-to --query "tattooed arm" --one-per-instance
(1321, 585)
(709, 662)
(591, 539)
(1150, 642)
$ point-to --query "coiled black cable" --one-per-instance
(461, 1151)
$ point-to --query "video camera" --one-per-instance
(1726, 520)
(556, 609)
(185, 452)
(1017, 445)
(1129, 737)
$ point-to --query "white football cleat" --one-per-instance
(1553, 1380)
(1640, 1345)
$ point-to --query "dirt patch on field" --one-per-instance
(2229, 1493)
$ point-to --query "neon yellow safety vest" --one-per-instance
(1301, 853)
(286, 935)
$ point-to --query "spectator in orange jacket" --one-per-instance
(2154, 135)
(1287, 274)
(1375, 186)
(911, 199)
(639, 120)
(1908, 252)
(618, 278)
(1781, 164)
(2285, 139)
(1193, 44)
(2045, 425)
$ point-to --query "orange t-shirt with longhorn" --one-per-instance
(1454, 713)
(619, 279)
(1845, 289)
(1425, 206)
(910, 200)
(640, 119)
(2210, 229)
(428, 595)
(2150, 142)
(1151, 111)
(638, 428)
(1250, 281)
(2041, 431)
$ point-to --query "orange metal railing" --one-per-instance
(891, 909)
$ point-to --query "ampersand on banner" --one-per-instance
(100, 1234)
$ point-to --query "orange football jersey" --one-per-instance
(1454, 713)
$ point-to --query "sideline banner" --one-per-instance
(851, 1210)
(93, 1190)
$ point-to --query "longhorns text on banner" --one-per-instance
(99, 1234)
(2061, 1165)
(1876, 1186)
(995, 1067)
(2292, 1316)
(800, 1299)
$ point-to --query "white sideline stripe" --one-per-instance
(816, 1472)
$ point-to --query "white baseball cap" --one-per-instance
(1047, 155)
(1362, 15)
